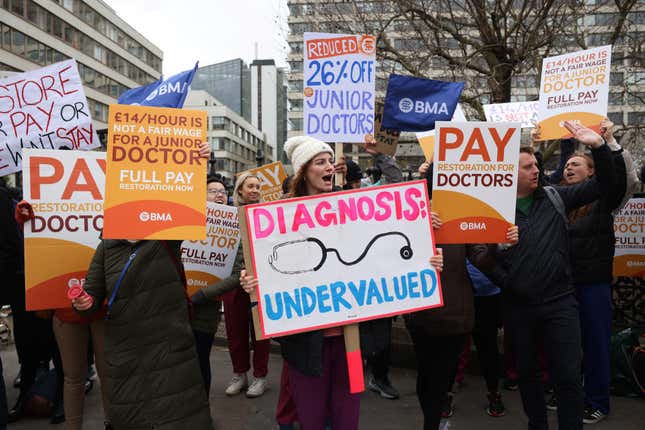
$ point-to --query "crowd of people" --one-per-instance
(548, 286)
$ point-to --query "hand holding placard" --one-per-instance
(584, 135)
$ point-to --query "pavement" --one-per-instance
(240, 413)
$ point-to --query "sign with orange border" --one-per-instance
(475, 180)
(271, 178)
(155, 182)
(629, 228)
(65, 189)
(210, 260)
(339, 74)
(573, 87)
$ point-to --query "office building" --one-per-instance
(236, 145)
(112, 56)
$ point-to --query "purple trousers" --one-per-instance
(318, 398)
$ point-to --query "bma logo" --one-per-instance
(465, 226)
(154, 216)
(167, 88)
(406, 105)
(197, 283)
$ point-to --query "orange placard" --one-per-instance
(65, 189)
(629, 228)
(573, 87)
(155, 181)
(475, 180)
(271, 178)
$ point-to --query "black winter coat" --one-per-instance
(592, 237)
(537, 269)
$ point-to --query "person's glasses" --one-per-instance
(217, 192)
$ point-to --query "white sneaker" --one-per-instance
(237, 384)
(257, 388)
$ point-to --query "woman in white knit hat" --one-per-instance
(316, 360)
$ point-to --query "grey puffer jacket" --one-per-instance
(153, 378)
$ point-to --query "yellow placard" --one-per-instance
(155, 181)
(271, 178)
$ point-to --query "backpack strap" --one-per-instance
(120, 279)
(557, 202)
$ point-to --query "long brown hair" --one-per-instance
(581, 212)
(299, 181)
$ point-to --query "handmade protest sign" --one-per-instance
(426, 138)
(211, 260)
(414, 104)
(155, 187)
(65, 189)
(271, 177)
(339, 78)
(44, 108)
(523, 112)
(475, 180)
(385, 141)
(342, 258)
(629, 228)
(574, 87)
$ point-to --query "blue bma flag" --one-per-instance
(414, 104)
(169, 92)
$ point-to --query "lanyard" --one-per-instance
(120, 280)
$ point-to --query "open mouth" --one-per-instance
(327, 179)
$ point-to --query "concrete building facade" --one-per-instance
(235, 142)
(112, 56)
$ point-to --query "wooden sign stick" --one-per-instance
(351, 333)
(248, 265)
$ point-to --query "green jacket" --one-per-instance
(153, 378)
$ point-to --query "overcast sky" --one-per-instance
(208, 31)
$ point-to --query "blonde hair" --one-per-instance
(237, 197)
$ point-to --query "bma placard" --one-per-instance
(65, 189)
(629, 228)
(475, 180)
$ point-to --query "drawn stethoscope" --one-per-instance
(405, 252)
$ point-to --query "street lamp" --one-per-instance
(211, 164)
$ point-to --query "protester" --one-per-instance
(379, 364)
(33, 334)
(72, 334)
(152, 371)
(207, 313)
(535, 277)
(439, 335)
(316, 360)
(591, 231)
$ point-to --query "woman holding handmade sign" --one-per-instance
(316, 360)
(152, 371)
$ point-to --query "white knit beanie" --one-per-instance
(301, 149)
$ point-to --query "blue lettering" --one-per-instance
(308, 300)
(322, 293)
(337, 292)
(271, 313)
(313, 129)
(400, 291)
(386, 294)
(428, 289)
(292, 304)
(359, 293)
(413, 284)
(373, 292)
